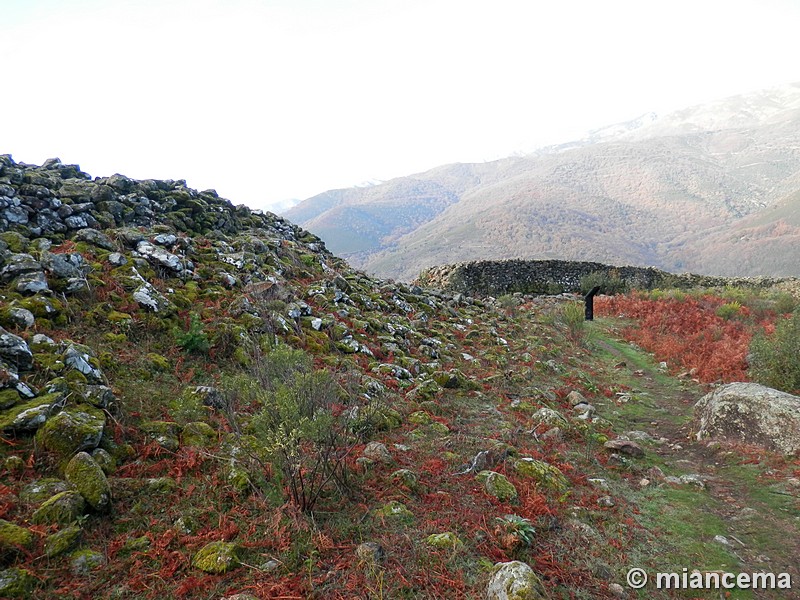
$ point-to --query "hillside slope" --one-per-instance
(651, 192)
(200, 401)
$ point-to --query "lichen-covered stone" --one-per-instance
(546, 475)
(751, 413)
(216, 557)
(448, 539)
(62, 541)
(63, 509)
(515, 580)
(90, 481)
(17, 583)
(15, 351)
(73, 429)
(498, 485)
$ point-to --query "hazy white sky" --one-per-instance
(267, 100)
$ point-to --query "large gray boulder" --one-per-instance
(751, 413)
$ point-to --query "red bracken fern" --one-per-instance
(687, 333)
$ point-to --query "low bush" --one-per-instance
(775, 356)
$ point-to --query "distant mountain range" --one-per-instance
(712, 189)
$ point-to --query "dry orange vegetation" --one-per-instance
(689, 333)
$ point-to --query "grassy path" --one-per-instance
(738, 509)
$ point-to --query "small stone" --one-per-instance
(15, 350)
(406, 478)
(117, 260)
(606, 502)
(721, 539)
(37, 492)
(378, 452)
(73, 429)
(29, 416)
(199, 434)
(83, 562)
(32, 283)
(370, 553)
(626, 447)
(617, 590)
(515, 581)
(21, 317)
(549, 417)
(574, 398)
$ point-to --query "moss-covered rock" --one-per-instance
(90, 481)
(448, 539)
(164, 433)
(104, 459)
(455, 379)
(199, 434)
(420, 417)
(515, 581)
(137, 544)
(407, 478)
(17, 583)
(13, 465)
(395, 511)
(546, 475)
(73, 429)
(8, 398)
(62, 509)
(216, 557)
(13, 540)
(498, 485)
(38, 491)
(83, 562)
(62, 541)
(29, 416)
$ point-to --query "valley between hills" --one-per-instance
(711, 189)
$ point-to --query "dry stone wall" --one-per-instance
(495, 278)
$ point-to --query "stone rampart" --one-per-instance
(495, 278)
